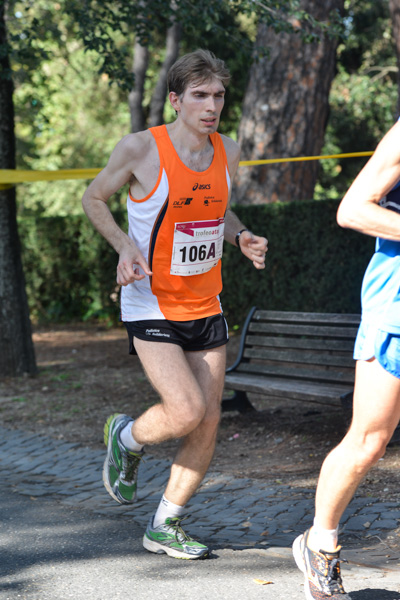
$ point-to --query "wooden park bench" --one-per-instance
(294, 356)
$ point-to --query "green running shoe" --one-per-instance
(169, 538)
(121, 465)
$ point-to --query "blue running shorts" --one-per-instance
(385, 347)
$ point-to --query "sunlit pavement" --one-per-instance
(58, 510)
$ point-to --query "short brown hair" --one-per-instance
(196, 68)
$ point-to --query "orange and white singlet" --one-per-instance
(179, 228)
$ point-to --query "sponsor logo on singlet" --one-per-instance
(201, 186)
(181, 202)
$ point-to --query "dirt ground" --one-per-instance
(85, 374)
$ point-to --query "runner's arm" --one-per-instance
(359, 208)
(252, 246)
(117, 173)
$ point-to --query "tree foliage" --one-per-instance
(364, 93)
(66, 54)
(67, 117)
(99, 20)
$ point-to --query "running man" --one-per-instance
(169, 268)
(371, 206)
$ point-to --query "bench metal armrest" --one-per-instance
(242, 339)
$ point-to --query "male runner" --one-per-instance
(170, 271)
(371, 206)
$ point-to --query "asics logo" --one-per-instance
(201, 186)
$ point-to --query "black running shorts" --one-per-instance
(194, 336)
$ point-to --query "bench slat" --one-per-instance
(304, 330)
(300, 317)
(300, 357)
(303, 343)
(295, 390)
(296, 373)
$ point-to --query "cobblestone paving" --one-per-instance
(233, 512)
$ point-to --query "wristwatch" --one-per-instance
(237, 236)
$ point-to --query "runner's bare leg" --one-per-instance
(376, 413)
(190, 386)
(195, 454)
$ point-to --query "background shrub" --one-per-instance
(70, 269)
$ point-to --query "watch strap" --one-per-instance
(237, 236)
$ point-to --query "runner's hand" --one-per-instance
(126, 271)
(254, 248)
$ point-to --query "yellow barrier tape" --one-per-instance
(19, 176)
(8, 177)
(12, 176)
(269, 161)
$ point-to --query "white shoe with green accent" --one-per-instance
(169, 538)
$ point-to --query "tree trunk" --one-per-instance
(140, 64)
(135, 99)
(16, 347)
(285, 112)
(160, 91)
(394, 7)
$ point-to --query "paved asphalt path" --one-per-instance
(53, 552)
(56, 544)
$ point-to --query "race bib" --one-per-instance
(197, 246)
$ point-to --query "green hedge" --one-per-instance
(312, 265)
(70, 269)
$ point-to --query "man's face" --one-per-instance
(200, 105)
